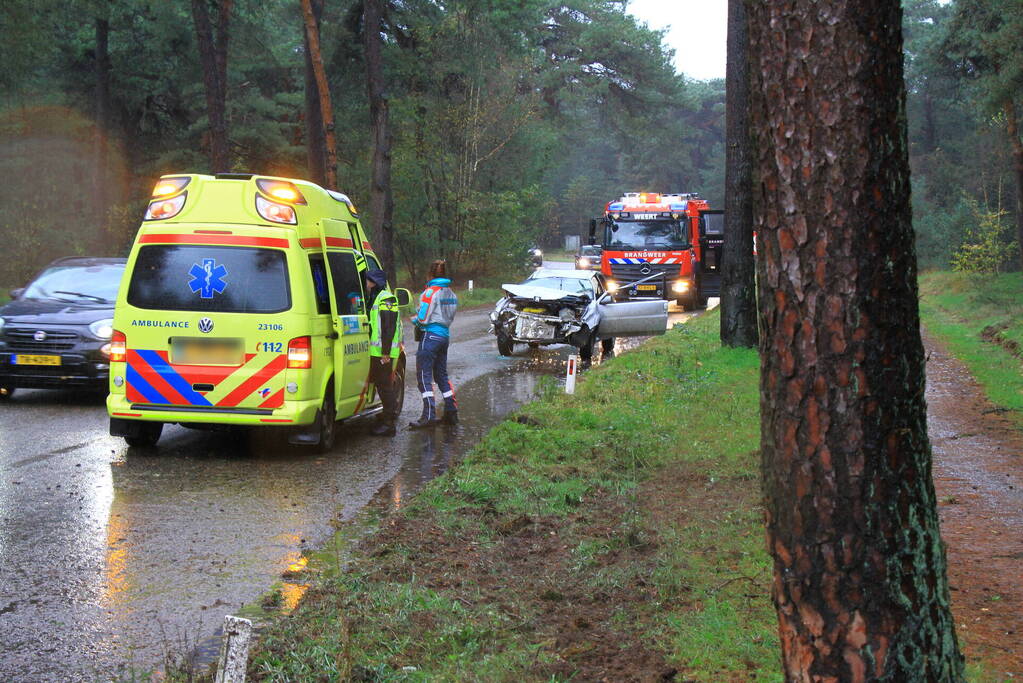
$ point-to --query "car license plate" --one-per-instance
(25, 359)
(533, 310)
(647, 288)
(187, 351)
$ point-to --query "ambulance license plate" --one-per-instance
(190, 351)
(647, 288)
(25, 359)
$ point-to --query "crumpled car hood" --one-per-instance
(532, 292)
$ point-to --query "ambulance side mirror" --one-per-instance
(404, 298)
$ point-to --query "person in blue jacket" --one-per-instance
(437, 306)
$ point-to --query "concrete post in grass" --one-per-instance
(234, 650)
(470, 285)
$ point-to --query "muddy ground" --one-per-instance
(978, 477)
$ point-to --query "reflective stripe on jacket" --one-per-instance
(383, 318)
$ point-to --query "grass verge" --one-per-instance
(980, 321)
(611, 534)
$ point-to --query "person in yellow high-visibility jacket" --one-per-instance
(384, 348)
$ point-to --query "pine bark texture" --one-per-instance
(860, 585)
(381, 197)
(213, 58)
(312, 35)
(738, 287)
(316, 156)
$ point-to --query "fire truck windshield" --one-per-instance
(663, 234)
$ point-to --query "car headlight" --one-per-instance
(567, 315)
(102, 329)
(680, 286)
(612, 286)
(584, 262)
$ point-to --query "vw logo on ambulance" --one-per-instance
(205, 325)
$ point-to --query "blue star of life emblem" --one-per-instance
(208, 278)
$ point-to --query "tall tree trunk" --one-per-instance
(1012, 124)
(213, 57)
(316, 157)
(312, 35)
(860, 585)
(100, 190)
(381, 199)
(738, 289)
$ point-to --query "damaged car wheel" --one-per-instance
(505, 346)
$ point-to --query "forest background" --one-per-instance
(513, 122)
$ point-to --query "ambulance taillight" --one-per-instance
(118, 347)
(300, 353)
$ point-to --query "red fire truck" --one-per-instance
(665, 246)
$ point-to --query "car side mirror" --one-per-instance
(605, 298)
(16, 293)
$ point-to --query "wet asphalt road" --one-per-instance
(112, 555)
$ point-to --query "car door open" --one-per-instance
(636, 318)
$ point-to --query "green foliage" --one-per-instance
(987, 247)
(958, 308)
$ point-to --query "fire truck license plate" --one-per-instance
(23, 359)
(647, 288)
(186, 351)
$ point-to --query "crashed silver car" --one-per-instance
(571, 307)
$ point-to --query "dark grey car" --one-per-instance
(55, 333)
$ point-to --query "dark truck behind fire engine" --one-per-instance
(665, 246)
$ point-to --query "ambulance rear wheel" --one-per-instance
(328, 423)
(147, 435)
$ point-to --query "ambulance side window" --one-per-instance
(347, 283)
(320, 284)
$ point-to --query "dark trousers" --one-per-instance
(432, 366)
(387, 390)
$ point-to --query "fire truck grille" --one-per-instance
(24, 341)
(634, 271)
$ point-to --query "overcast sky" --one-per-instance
(697, 32)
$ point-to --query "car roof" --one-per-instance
(87, 261)
(568, 274)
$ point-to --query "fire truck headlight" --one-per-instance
(612, 286)
(681, 286)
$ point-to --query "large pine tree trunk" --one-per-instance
(312, 35)
(213, 57)
(101, 192)
(381, 198)
(860, 585)
(738, 290)
(1012, 121)
(316, 156)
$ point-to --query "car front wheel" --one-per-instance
(505, 346)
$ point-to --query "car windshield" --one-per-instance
(571, 285)
(79, 284)
(664, 234)
(589, 251)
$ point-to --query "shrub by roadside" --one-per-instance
(614, 533)
(979, 318)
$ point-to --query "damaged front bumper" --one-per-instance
(533, 328)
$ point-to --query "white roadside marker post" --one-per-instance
(573, 366)
(470, 285)
(234, 650)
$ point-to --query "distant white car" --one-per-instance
(571, 307)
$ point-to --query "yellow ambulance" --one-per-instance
(243, 305)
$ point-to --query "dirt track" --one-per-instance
(978, 475)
